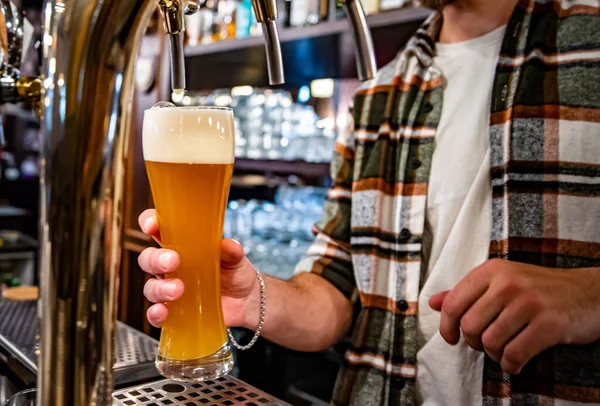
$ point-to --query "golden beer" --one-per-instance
(189, 155)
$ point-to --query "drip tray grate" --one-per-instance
(221, 391)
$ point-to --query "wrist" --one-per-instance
(252, 307)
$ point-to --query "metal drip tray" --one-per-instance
(221, 391)
(134, 351)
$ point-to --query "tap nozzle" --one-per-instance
(366, 65)
(172, 12)
(266, 14)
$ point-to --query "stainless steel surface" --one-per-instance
(14, 87)
(273, 51)
(177, 61)
(221, 391)
(11, 40)
(172, 12)
(266, 14)
(26, 397)
(89, 51)
(191, 6)
(366, 65)
(18, 324)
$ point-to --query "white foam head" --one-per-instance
(191, 135)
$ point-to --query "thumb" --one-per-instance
(232, 254)
(435, 301)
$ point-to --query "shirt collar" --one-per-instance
(422, 43)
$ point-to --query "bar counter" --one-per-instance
(136, 379)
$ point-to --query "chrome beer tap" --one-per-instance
(15, 87)
(366, 65)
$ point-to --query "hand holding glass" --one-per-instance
(189, 155)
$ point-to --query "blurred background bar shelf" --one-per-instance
(299, 168)
(383, 21)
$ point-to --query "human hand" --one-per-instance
(240, 290)
(514, 311)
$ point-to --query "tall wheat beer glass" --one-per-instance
(189, 153)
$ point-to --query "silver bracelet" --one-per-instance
(261, 318)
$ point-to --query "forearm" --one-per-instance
(306, 313)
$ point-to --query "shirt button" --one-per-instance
(416, 164)
(427, 107)
(405, 234)
(399, 383)
(402, 305)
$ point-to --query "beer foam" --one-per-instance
(192, 135)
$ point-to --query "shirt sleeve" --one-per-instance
(329, 256)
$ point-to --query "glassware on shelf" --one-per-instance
(269, 125)
(276, 235)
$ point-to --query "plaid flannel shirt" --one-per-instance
(545, 171)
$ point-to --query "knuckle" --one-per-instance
(490, 341)
(552, 323)
(514, 356)
(511, 369)
(509, 287)
(473, 343)
(469, 326)
(450, 307)
(533, 302)
(492, 265)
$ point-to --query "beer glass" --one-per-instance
(189, 154)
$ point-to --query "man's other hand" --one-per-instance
(514, 311)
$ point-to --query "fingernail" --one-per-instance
(148, 223)
(169, 289)
(236, 241)
(165, 260)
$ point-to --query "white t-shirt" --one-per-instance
(458, 221)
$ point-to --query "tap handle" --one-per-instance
(365, 52)
(191, 6)
(172, 12)
(266, 14)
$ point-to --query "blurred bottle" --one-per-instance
(370, 6)
(317, 11)
(244, 19)
(283, 12)
(308, 12)
(299, 13)
(226, 19)
(193, 26)
(206, 26)
(392, 4)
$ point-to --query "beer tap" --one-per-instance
(15, 87)
(366, 65)
(266, 14)
(172, 12)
